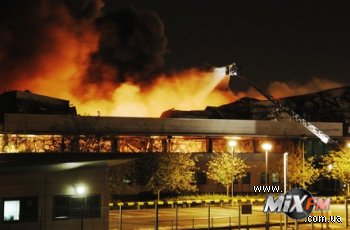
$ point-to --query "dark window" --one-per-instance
(318, 147)
(246, 178)
(20, 209)
(75, 207)
(315, 147)
(201, 178)
(262, 178)
(93, 204)
(61, 207)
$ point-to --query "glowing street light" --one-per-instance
(80, 190)
(330, 167)
(266, 147)
(232, 143)
(348, 144)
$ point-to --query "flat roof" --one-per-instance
(98, 125)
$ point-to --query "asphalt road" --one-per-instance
(197, 217)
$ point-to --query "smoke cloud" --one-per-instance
(72, 41)
(131, 47)
(106, 62)
(35, 37)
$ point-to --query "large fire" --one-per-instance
(189, 90)
(71, 51)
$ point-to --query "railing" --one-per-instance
(209, 215)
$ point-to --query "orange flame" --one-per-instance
(59, 73)
(63, 56)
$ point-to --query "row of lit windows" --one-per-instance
(134, 144)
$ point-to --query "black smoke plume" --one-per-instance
(132, 43)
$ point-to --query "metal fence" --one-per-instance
(210, 216)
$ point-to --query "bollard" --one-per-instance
(192, 223)
(229, 222)
(321, 221)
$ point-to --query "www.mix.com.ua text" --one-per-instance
(266, 189)
(323, 219)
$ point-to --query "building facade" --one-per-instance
(55, 168)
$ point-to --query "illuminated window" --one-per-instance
(11, 210)
(188, 145)
(20, 209)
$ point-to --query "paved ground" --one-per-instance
(220, 217)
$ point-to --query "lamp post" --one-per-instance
(232, 144)
(285, 177)
(303, 139)
(81, 191)
(266, 147)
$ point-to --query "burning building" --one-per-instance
(48, 152)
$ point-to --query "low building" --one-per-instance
(54, 168)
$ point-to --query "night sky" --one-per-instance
(130, 53)
(272, 40)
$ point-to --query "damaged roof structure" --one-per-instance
(26, 102)
(332, 105)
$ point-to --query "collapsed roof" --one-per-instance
(25, 102)
(331, 105)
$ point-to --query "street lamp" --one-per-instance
(266, 147)
(232, 144)
(330, 167)
(80, 190)
(348, 144)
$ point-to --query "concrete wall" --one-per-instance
(45, 186)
